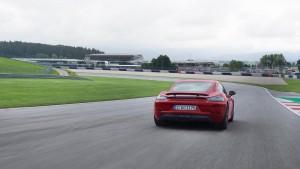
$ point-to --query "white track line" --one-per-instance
(278, 100)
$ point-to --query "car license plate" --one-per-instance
(184, 107)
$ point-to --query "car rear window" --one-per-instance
(192, 86)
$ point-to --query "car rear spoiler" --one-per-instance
(187, 94)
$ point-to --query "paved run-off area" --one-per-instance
(228, 78)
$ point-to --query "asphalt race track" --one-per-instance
(122, 135)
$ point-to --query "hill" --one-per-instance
(18, 49)
(19, 67)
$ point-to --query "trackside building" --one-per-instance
(116, 60)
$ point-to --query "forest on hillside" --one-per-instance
(18, 49)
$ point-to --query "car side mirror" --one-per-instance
(231, 93)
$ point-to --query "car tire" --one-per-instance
(223, 125)
(159, 122)
(231, 119)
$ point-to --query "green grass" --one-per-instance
(18, 67)
(293, 86)
(37, 92)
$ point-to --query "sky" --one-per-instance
(182, 29)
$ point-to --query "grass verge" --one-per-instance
(40, 92)
(18, 67)
(70, 73)
(293, 86)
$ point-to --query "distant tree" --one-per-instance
(298, 62)
(41, 55)
(279, 60)
(173, 66)
(298, 65)
(288, 64)
(225, 65)
(273, 60)
(235, 65)
(246, 65)
(162, 62)
(294, 64)
(54, 56)
(146, 66)
(34, 50)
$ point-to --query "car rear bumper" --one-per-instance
(205, 117)
(183, 117)
(206, 111)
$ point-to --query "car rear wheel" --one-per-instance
(159, 122)
(224, 123)
(231, 119)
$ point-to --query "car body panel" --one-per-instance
(205, 110)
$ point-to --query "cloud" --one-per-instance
(206, 28)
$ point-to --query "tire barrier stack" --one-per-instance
(207, 73)
(295, 76)
(226, 73)
(246, 74)
(153, 70)
(73, 67)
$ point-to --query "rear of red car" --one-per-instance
(191, 100)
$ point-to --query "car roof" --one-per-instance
(197, 80)
(213, 82)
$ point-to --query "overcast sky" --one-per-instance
(181, 29)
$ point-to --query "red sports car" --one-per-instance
(195, 100)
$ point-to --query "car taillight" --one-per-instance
(161, 97)
(215, 99)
